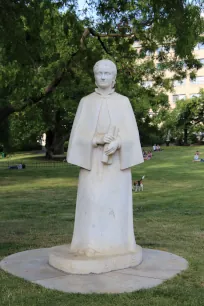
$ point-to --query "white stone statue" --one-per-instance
(105, 144)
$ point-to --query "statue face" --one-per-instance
(104, 76)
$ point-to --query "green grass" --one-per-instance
(37, 210)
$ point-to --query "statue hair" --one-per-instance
(106, 62)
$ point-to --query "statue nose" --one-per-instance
(103, 76)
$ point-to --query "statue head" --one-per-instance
(105, 72)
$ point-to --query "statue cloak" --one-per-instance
(121, 114)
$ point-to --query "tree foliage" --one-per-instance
(47, 55)
(186, 118)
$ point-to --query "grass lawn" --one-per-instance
(37, 210)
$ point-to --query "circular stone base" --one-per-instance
(61, 258)
(156, 267)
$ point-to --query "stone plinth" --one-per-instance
(156, 267)
(61, 258)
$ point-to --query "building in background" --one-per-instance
(187, 88)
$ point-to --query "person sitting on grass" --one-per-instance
(145, 155)
(197, 159)
(158, 148)
(149, 155)
(198, 153)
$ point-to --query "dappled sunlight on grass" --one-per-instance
(38, 184)
(21, 157)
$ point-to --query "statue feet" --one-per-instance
(87, 252)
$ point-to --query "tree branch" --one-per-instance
(91, 31)
(10, 109)
(131, 35)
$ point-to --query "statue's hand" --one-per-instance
(112, 147)
(108, 138)
(98, 140)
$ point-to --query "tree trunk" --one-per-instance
(54, 144)
(59, 148)
(49, 140)
(185, 131)
(5, 112)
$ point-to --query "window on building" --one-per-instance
(161, 66)
(201, 60)
(148, 53)
(195, 95)
(137, 44)
(163, 49)
(179, 83)
(199, 46)
(180, 64)
(178, 97)
(160, 49)
(147, 84)
(198, 80)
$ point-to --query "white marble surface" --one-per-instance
(156, 267)
(104, 124)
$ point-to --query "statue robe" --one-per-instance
(104, 215)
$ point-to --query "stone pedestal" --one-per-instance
(61, 258)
